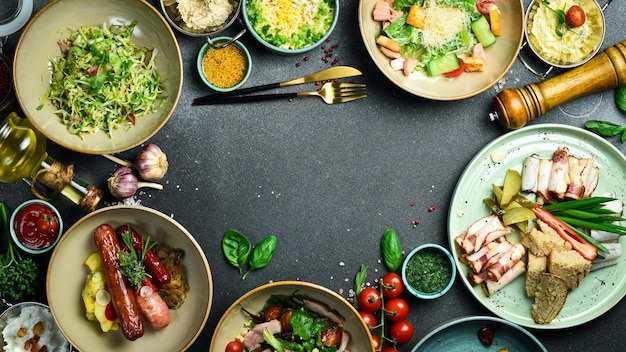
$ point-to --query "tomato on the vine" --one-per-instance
(369, 319)
(376, 342)
(402, 331)
(392, 285)
(369, 300)
(234, 346)
(390, 349)
(396, 309)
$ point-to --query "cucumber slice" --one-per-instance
(482, 31)
(441, 65)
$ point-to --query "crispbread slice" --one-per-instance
(550, 296)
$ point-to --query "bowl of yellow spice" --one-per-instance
(224, 68)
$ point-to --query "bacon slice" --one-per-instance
(559, 175)
(491, 286)
(505, 262)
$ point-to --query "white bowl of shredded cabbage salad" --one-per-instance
(290, 26)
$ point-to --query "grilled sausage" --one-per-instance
(158, 272)
(152, 307)
(121, 293)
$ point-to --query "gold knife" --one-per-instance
(324, 75)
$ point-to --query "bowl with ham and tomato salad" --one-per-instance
(303, 313)
(442, 49)
(104, 297)
(98, 76)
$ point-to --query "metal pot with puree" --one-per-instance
(565, 33)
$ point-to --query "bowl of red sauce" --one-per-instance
(36, 226)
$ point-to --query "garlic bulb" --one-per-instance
(123, 183)
(151, 163)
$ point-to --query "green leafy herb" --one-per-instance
(17, 275)
(236, 248)
(620, 97)
(428, 271)
(392, 251)
(606, 128)
(132, 263)
(560, 14)
(272, 340)
(262, 254)
(358, 283)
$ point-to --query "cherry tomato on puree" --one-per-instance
(36, 226)
(369, 319)
(458, 71)
(396, 309)
(392, 285)
(234, 346)
(575, 16)
(402, 331)
(369, 300)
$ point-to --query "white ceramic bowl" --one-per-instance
(64, 290)
(449, 261)
(38, 44)
(15, 237)
(232, 322)
(500, 56)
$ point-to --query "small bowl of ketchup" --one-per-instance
(36, 226)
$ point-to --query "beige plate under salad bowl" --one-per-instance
(232, 322)
(500, 57)
(39, 44)
(67, 273)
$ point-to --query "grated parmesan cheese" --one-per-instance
(289, 15)
(202, 14)
(442, 25)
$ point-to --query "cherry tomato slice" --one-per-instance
(483, 6)
(273, 312)
(575, 16)
(458, 71)
(369, 300)
(392, 285)
(402, 331)
(109, 312)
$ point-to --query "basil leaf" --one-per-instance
(392, 251)
(262, 254)
(236, 248)
(358, 284)
(604, 128)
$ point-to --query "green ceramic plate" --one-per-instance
(462, 335)
(602, 289)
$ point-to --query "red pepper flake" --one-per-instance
(298, 64)
(432, 208)
(328, 39)
(415, 223)
(306, 58)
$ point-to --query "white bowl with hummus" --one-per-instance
(200, 18)
(575, 45)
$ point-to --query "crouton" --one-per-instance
(388, 43)
(474, 64)
(494, 21)
(416, 16)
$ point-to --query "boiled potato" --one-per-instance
(96, 281)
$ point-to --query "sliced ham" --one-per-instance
(252, 340)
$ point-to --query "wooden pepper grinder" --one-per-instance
(515, 107)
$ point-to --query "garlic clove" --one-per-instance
(123, 183)
(151, 163)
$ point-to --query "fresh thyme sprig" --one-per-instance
(131, 263)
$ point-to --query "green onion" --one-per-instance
(588, 238)
(586, 203)
(602, 226)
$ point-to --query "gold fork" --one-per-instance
(331, 93)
